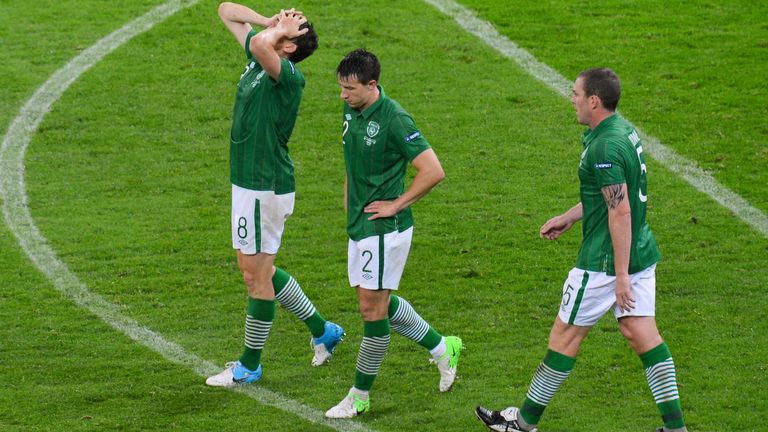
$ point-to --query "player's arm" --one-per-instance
(620, 227)
(264, 45)
(429, 173)
(554, 227)
(238, 19)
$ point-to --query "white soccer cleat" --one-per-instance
(321, 354)
(448, 362)
(351, 406)
(324, 345)
(234, 374)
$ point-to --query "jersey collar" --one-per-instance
(371, 109)
(590, 133)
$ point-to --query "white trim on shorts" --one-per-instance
(377, 262)
(270, 209)
(588, 295)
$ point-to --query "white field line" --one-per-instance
(17, 217)
(681, 166)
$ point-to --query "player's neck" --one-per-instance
(375, 95)
(598, 117)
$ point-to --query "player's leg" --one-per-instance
(587, 296)
(639, 328)
(376, 336)
(367, 267)
(256, 270)
(406, 321)
(325, 334)
(256, 244)
(445, 351)
(564, 342)
(273, 211)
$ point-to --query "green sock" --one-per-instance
(258, 322)
(291, 297)
(407, 322)
(372, 351)
(549, 376)
(660, 372)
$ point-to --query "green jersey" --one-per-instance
(378, 145)
(264, 115)
(613, 154)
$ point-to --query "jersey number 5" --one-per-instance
(643, 189)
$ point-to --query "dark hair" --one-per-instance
(306, 44)
(361, 64)
(603, 83)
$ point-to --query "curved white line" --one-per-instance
(17, 217)
(688, 170)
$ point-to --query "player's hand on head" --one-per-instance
(290, 21)
(273, 21)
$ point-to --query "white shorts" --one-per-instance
(258, 219)
(588, 295)
(377, 262)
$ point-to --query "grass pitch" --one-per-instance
(127, 178)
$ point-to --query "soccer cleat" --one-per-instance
(234, 374)
(351, 406)
(501, 421)
(325, 344)
(448, 362)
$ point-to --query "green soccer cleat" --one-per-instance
(448, 362)
(349, 407)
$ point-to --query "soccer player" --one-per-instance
(380, 139)
(263, 184)
(615, 269)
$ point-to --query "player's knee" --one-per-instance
(627, 332)
(371, 311)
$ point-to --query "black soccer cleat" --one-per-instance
(501, 421)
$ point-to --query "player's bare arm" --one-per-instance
(614, 195)
(557, 225)
(239, 19)
(620, 227)
(429, 173)
(268, 44)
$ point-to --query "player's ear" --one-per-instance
(290, 47)
(372, 84)
(595, 101)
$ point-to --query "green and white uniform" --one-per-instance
(379, 143)
(264, 115)
(613, 154)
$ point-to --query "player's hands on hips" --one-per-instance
(554, 227)
(624, 298)
(289, 21)
(381, 209)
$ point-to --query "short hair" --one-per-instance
(603, 83)
(361, 64)
(306, 44)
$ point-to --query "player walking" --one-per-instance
(616, 265)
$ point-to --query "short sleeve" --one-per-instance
(288, 74)
(248, 54)
(406, 137)
(607, 163)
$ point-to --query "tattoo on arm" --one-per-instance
(613, 195)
